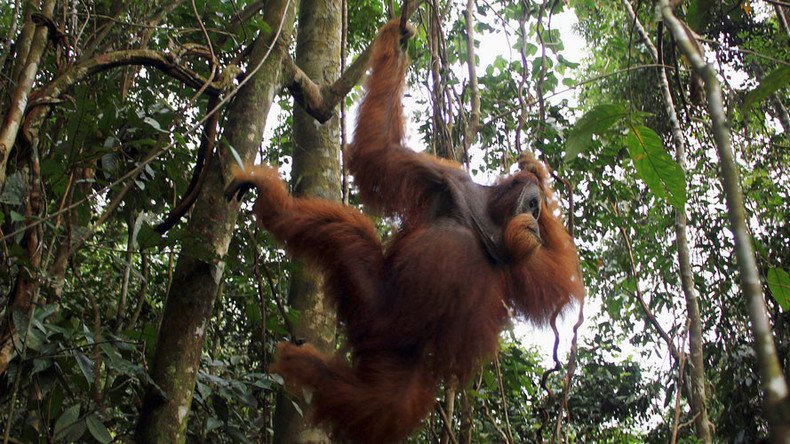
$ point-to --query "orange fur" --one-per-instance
(430, 305)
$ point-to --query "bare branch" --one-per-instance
(638, 293)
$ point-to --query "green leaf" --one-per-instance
(86, 366)
(253, 312)
(565, 62)
(153, 124)
(34, 339)
(212, 423)
(771, 83)
(74, 432)
(68, 418)
(595, 121)
(661, 173)
(147, 237)
(39, 365)
(15, 190)
(779, 284)
(97, 429)
(111, 164)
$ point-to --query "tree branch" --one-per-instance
(474, 91)
(320, 101)
(168, 63)
(638, 293)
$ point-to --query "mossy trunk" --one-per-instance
(200, 265)
(316, 172)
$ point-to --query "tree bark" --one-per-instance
(19, 98)
(316, 172)
(187, 312)
(774, 385)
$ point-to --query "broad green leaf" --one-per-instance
(212, 423)
(596, 121)
(153, 124)
(661, 173)
(97, 429)
(39, 365)
(74, 432)
(776, 80)
(111, 164)
(779, 284)
(86, 366)
(148, 238)
(68, 418)
(35, 339)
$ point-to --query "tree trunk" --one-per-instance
(774, 385)
(187, 312)
(316, 172)
(19, 98)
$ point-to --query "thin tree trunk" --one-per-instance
(20, 49)
(165, 410)
(781, 17)
(473, 125)
(777, 404)
(449, 408)
(127, 271)
(442, 145)
(698, 398)
(20, 96)
(465, 432)
(316, 172)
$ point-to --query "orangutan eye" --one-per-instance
(534, 207)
